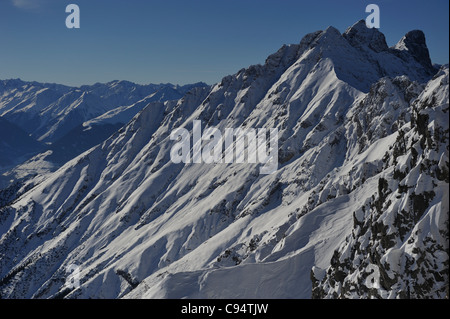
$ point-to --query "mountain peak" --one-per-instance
(359, 35)
(331, 30)
(414, 42)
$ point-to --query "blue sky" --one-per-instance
(184, 41)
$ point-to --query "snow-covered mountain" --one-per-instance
(49, 111)
(358, 206)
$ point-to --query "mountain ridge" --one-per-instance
(44, 108)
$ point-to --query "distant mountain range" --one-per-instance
(49, 111)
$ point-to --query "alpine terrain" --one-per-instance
(358, 207)
(45, 125)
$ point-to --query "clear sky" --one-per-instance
(185, 41)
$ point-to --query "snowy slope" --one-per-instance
(139, 226)
(398, 246)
